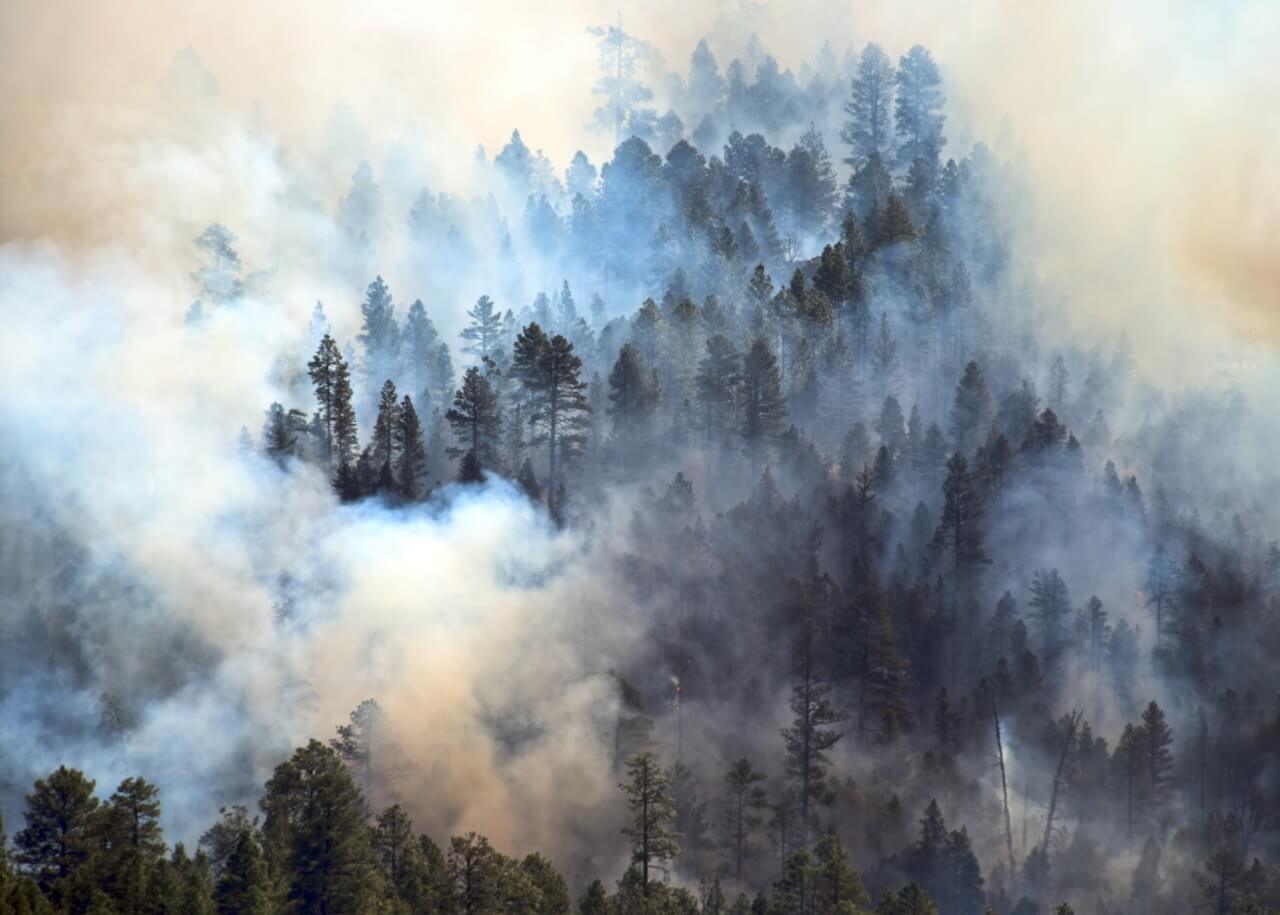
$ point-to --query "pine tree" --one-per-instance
(960, 529)
(550, 374)
(743, 802)
(419, 355)
(484, 331)
(380, 334)
(386, 455)
(595, 901)
(717, 385)
(1157, 760)
(476, 424)
(918, 114)
(837, 888)
(910, 900)
(652, 812)
(793, 891)
(868, 130)
(60, 820)
(895, 225)
(411, 452)
(763, 406)
(1050, 602)
(315, 826)
(810, 736)
(357, 741)
(243, 887)
(633, 397)
(278, 440)
(335, 416)
(884, 357)
(1162, 587)
(971, 411)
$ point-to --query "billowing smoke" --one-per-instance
(180, 607)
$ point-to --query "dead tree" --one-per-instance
(1004, 786)
(1072, 722)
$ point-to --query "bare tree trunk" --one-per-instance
(1057, 780)
(1004, 788)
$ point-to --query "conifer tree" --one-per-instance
(550, 374)
(1050, 602)
(60, 821)
(476, 424)
(380, 335)
(868, 129)
(484, 331)
(315, 823)
(653, 841)
(763, 406)
(278, 439)
(743, 803)
(971, 410)
(837, 888)
(358, 741)
(633, 397)
(717, 384)
(386, 454)
(918, 116)
(243, 887)
(960, 529)
(811, 735)
(335, 416)
(1161, 586)
(411, 453)
(895, 225)
(1157, 760)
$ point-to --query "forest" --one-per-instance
(764, 542)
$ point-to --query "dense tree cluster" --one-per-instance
(1017, 664)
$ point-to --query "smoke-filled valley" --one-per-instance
(783, 495)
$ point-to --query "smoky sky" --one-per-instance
(1147, 129)
(1145, 122)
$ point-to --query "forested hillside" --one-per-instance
(732, 525)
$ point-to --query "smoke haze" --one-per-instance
(232, 610)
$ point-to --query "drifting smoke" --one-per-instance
(226, 610)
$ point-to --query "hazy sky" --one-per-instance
(1151, 123)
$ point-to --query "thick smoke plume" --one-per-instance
(176, 607)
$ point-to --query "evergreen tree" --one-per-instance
(810, 736)
(358, 741)
(763, 406)
(918, 116)
(793, 891)
(411, 452)
(743, 803)
(243, 887)
(1157, 760)
(971, 411)
(837, 888)
(550, 374)
(386, 454)
(484, 331)
(278, 440)
(895, 226)
(633, 397)
(960, 529)
(335, 415)
(1162, 587)
(1050, 602)
(717, 385)
(868, 129)
(315, 826)
(380, 334)
(60, 823)
(652, 812)
(476, 424)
